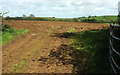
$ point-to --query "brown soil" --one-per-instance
(45, 49)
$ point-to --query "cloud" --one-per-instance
(59, 8)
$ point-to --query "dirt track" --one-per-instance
(37, 50)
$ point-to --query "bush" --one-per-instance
(7, 28)
(89, 20)
(18, 18)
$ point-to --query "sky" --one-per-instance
(59, 8)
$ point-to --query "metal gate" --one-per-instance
(115, 49)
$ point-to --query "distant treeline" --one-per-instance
(41, 19)
(89, 19)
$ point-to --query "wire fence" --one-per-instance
(115, 49)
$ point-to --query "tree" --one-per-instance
(24, 16)
(89, 16)
(53, 18)
(75, 19)
(32, 16)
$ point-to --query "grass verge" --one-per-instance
(91, 50)
(8, 33)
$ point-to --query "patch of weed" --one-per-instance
(18, 67)
(49, 32)
(71, 30)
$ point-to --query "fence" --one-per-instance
(115, 49)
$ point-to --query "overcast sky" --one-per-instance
(59, 8)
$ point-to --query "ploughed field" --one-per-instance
(43, 49)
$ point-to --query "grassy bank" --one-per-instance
(8, 33)
(91, 51)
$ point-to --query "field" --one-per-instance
(99, 19)
(48, 47)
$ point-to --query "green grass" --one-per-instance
(93, 46)
(9, 33)
(6, 37)
(102, 19)
(107, 18)
(107, 23)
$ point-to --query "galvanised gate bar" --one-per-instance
(115, 49)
